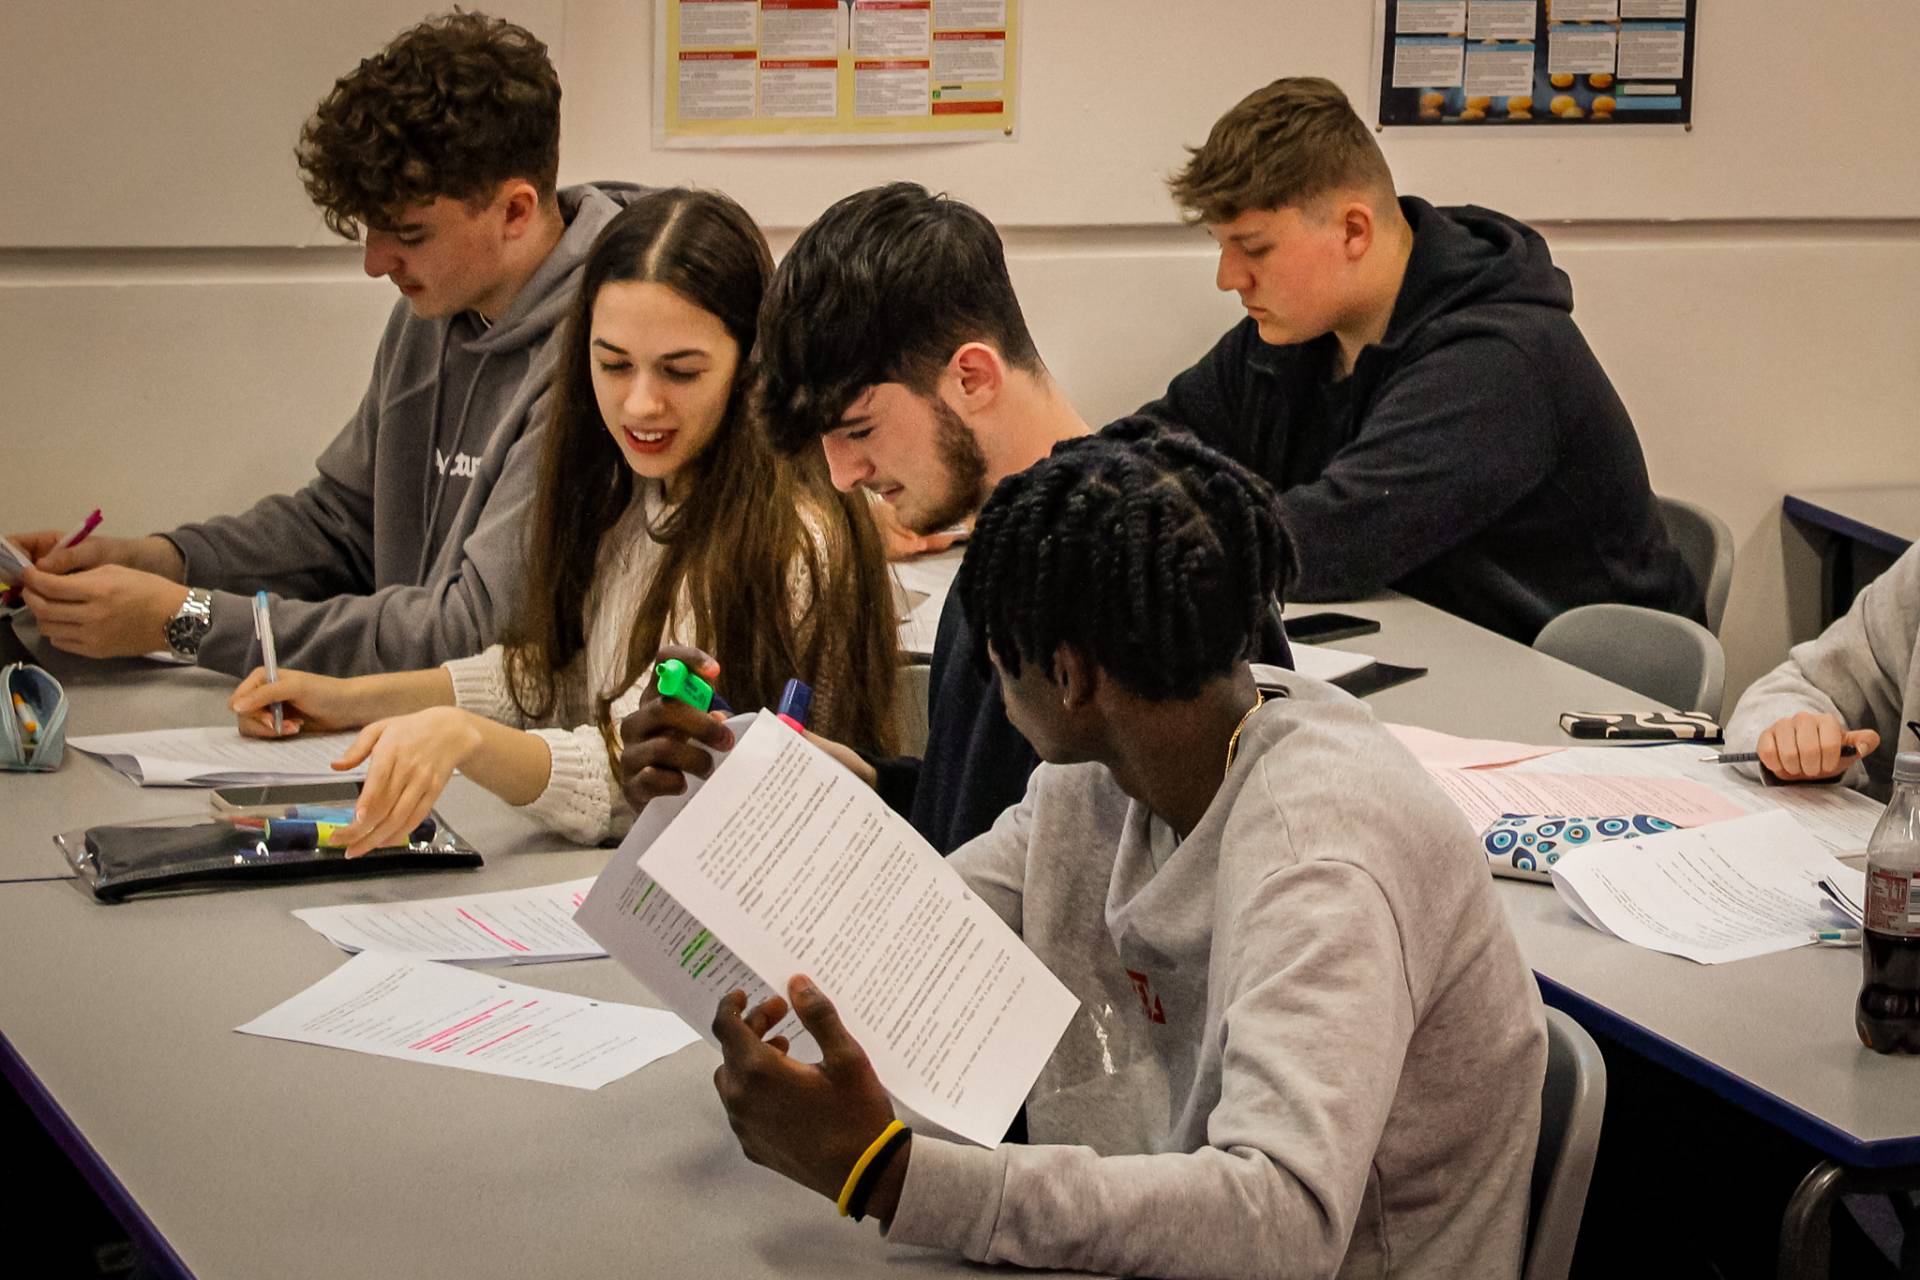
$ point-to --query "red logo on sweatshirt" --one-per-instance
(1149, 1002)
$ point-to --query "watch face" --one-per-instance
(187, 628)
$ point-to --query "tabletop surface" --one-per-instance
(254, 1156)
(1892, 513)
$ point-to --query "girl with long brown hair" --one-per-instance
(663, 515)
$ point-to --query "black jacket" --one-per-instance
(1477, 458)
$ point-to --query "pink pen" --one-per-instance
(79, 535)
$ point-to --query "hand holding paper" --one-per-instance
(809, 1122)
(796, 866)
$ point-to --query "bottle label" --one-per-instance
(1893, 902)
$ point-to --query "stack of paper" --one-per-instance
(519, 926)
(1840, 818)
(220, 757)
(1723, 892)
(784, 863)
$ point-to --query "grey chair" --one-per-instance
(1706, 544)
(1571, 1103)
(1669, 658)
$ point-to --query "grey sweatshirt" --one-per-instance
(1864, 669)
(1307, 1045)
(406, 549)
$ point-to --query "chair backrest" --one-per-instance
(1706, 544)
(1571, 1103)
(1669, 658)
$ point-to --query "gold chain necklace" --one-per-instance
(1259, 700)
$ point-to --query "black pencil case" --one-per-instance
(199, 851)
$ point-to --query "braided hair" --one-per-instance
(1148, 551)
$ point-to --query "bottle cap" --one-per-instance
(1906, 767)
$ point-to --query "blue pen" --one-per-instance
(263, 630)
(796, 701)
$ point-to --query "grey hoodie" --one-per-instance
(406, 549)
(1307, 1043)
(1864, 670)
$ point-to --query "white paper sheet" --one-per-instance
(1445, 751)
(1723, 892)
(218, 756)
(801, 868)
(659, 941)
(521, 926)
(1838, 817)
(1485, 794)
(418, 1011)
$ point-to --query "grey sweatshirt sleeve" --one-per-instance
(1853, 671)
(398, 628)
(1319, 1016)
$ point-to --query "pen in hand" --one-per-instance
(1847, 752)
(263, 631)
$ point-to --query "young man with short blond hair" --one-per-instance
(1410, 378)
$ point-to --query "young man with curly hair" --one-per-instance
(440, 153)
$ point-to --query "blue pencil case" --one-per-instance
(33, 719)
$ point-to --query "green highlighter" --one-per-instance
(674, 679)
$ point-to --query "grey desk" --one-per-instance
(256, 1157)
(1858, 532)
(1773, 1035)
(236, 1156)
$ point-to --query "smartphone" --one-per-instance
(1318, 628)
(229, 799)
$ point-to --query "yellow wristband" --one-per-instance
(874, 1148)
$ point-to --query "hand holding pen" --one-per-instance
(1807, 747)
(34, 548)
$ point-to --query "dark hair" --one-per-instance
(758, 534)
(1140, 547)
(884, 287)
(453, 107)
(1281, 146)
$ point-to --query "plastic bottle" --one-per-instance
(1887, 1015)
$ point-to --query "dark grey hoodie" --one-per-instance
(1477, 458)
(406, 549)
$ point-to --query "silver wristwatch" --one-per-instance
(190, 623)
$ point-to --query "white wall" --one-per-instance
(169, 350)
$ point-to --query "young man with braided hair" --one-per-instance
(441, 153)
(1412, 381)
(891, 338)
(1307, 1043)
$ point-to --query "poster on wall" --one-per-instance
(1514, 63)
(782, 73)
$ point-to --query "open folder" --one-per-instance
(783, 862)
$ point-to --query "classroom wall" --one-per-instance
(178, 333)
